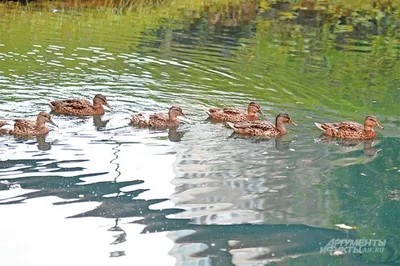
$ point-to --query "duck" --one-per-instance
(159, 120)
(80, 107)
(263, 128)
(351, 130)
(232, 114)
(24, 127)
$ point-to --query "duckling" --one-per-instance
(231, 114)
(80, 107)
(351, 130)
(159, 120)
(30, 128)
(263, 128)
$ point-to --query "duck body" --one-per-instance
(158, 120)
(351, 130)
(255, 128)
(232, 114)
(24, 127)
(263, 128)
(80, 107)
(139, 120)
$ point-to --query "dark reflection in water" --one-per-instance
(117, 254)
(216, 229)
(120, 206)
(351, 145)
(119, 238)
(246, 243)
(65, 188)
(99, 123)
(175, 135)
(281, 143)
(42, 144)
(98, 120)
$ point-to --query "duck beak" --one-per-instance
(108, 106)
(292, 123)
(260, 112)
(51, 122)
(379, 126)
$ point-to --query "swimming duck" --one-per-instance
(351, 130)
(159, 120)
(232, 114)
(80, 107)
(263, 128)
(29, 127)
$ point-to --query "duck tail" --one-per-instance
(4, 131)
(51, 105)
(138, 120)
(231, 125)
(134, 120)
(318, 125)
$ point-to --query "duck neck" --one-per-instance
(280, 126)
(40, 125)
(251, 113)
(173, 117)
(98, 106)
(369, 131)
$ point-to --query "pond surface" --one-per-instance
(97, 191)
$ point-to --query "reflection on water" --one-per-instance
(99, 123)
(175, 135)
(40, 141)
(348, 146)
(198, 194)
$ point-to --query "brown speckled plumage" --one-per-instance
(231, 114)
(139, 120)
(29, 127)
(159, 120)
(80, 107)
(263, 128)
(351, 130)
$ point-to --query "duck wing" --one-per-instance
(158, 119)
(227, 110)
(22, 126)
(351, 126)
(139, 119)
(258, 124)
(342, 129)
(256, 128)
(340, 126)
(77, 104)
(233, 111)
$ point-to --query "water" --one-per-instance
(98, 191)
